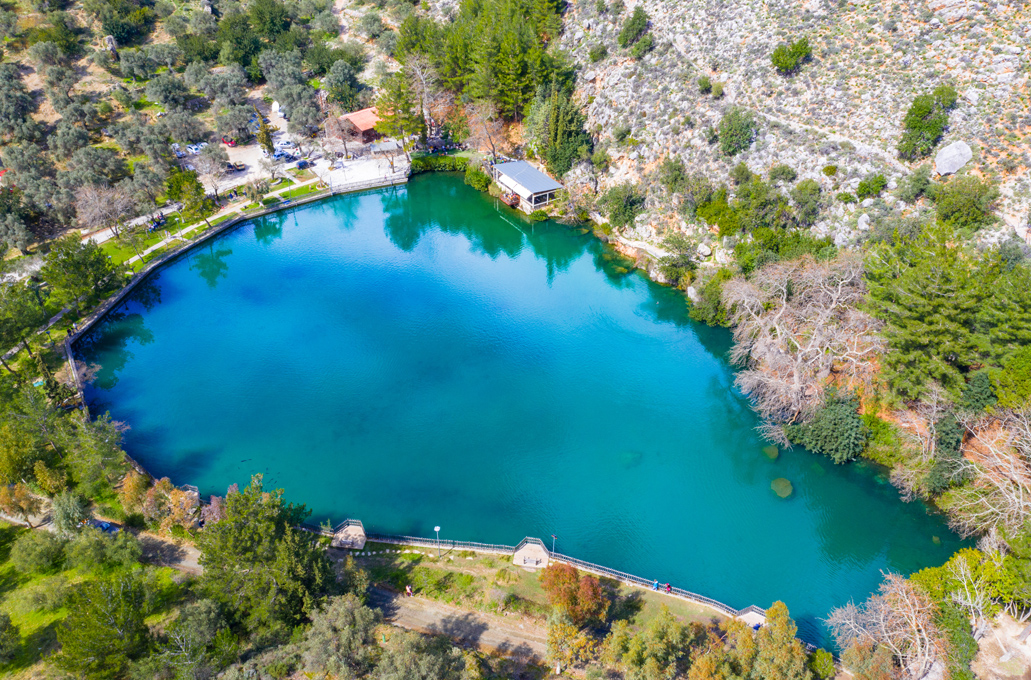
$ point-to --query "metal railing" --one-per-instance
(580, 564)
(442, 544)
(637, 580)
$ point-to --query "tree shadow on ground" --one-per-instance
(465, 628)
(624, 607)
(161, 552)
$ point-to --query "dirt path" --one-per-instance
(483, 631)
(166, 553)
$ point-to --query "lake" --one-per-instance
(422, 356)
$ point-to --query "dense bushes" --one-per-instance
(836, 430)
(871, 187)
(966, 203)
(633, 28)
(623, 202)
(439, 164)
(925, 122)
(477, 178)
(787, 58)
(736, 131)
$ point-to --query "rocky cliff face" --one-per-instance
(844, 108)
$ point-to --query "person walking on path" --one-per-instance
(655, 586)
(669, 589)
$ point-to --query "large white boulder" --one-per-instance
(952, 158)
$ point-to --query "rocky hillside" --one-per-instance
(844, 108)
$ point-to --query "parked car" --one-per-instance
(190, 167)
(279, 155)
(229, 141)
(287, 145)
(240, 167)
(301, 165)
(202, 145)
(193, 148)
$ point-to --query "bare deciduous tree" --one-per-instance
(99, 206)
(997, 463)
(485, 126)
(272, 167)
(901, 618)
(213, 164)
(795, 323)
(342, 129)
(422, 78)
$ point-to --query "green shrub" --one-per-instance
(822, 664)
(1012, 382)
(830, 170)
(620, 133)
(846, 197)
(643, 46)
(871, 186)
(977, 394)
(783, 173)
(477, 178)
(953, 620)
(634, 27)
(624, 203)
(966, 203)
(788, 58)
(37, 552)
(711, 135)
(10, 638)
(913, 186)
(601, 159)
(836, 430)
(704, 85)
(925, 122)
(538, 216)
(806, 196)
(709, 309)
(772, 245)
(717, 90)
(885, 445)
(439, 164)
(737, 130)
(740, 174)
(597, 53)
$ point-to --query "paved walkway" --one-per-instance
(506, 635)
(338, 174)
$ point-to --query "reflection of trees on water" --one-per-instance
(108, 343)
(211, 264)
(556, 244)
(490, 229)
(269, 228)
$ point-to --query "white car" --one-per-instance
(287, 145)
(202, 145)
(193, 148)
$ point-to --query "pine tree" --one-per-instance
(781, 655)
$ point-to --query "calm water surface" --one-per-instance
(420, 357)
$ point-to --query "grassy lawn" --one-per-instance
(491, 583)
(280, 183)
(300, 191)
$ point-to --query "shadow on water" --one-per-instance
(111, 339)
(211, 263)
(269, 228)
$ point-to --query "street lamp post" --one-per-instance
(437, 529)
(553, 537)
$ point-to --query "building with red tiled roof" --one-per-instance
(364, 121)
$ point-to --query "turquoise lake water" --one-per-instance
(420, 356)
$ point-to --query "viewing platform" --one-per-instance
(531, 554)
(349, 534)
